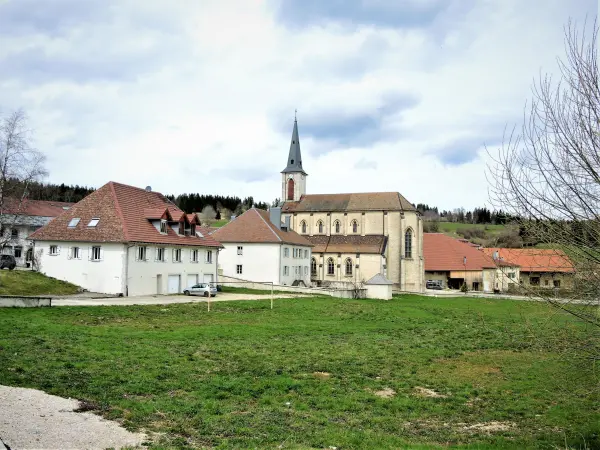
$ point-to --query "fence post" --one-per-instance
(271, 295)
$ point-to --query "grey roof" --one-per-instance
(379, 279)
(294, 163)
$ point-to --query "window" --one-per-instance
(546, 282)
(286, 252)
(160, 254)
(408, 244)
(534, 281)
(53, 250)
(354, 226)
(240, 250)
(293, 253)
(286, 270)
(296, 269)
(306, 254)
(320, 227)
(511, 275)
(29, 254)
(96, 253)
(290, 190)
(142, 252)
(75, 253)
(209, 257)
(194, 256)
(73, 223)
(348, 267)
(93, 222)
(330, 267)
(18, 252)
(556, 283)
(193, 229)
(176, 255)
(14, 233)
(313, 267)
(337, 226)
(163, 226)
(303, 227)
(305, 270)
(238, 269)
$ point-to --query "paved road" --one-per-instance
(32, 419)
(160, 299)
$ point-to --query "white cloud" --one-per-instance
(199, 96)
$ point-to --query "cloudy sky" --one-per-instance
(199, 96)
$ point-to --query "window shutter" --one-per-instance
(146, 254)
(58, 249)
(156, 254)
(89, 253)
(70, 254)
(137, 253)
(101, 254)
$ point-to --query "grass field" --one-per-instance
(453, 227)
(412, 372)
(25, 282)
(219, 223)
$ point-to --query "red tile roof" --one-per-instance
(443, 253)
(534, 259)
(363, 201)
(122, 211)
(348, 244)
(40, 208)
(255, 226)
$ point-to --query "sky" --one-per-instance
(199, 96)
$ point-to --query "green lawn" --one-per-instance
(26, 282)
(453, 227)
(242, 290)
(308, 373)
(220, 223)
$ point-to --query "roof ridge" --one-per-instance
(118, 208)
(266, 223)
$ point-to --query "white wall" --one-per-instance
(292, 262)
(260, 262)
(265, 262)
(143, 275)
(105, 276)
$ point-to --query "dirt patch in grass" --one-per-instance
(385, 393)
(426, 392)
(489, 427)
(322, 375)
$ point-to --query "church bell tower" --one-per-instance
(293, 177)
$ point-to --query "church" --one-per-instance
(355, 236)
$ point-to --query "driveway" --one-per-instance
(160, 299)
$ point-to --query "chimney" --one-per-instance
(495, 255)
(148, 188)
(275, 216)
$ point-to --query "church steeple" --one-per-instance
(294, 162)
(293, 177)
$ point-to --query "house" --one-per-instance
(546, 268)
(124, 240)
(258, 248)
(356, 236)
(20, 219)
(451, 262)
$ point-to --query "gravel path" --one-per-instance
(32, 419)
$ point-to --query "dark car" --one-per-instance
(434, 284)
(7, 262)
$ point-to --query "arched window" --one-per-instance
(330, 267)
(290, 189)
(349, 267)
(303, 227)
(313, 267)
(354, 226)
(337, 226)
(320, 227)
(408, 243)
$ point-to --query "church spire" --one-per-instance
(294, 162)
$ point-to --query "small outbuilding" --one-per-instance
(379, 287)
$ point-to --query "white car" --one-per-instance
(205, 289)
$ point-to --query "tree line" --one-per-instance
(476, 216)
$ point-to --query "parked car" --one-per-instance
(7, 262)
(434, 284)
(205, 289)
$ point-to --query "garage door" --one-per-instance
(208, 278)
(192, 279)
(173, 287)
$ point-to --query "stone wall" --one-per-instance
(9, 301)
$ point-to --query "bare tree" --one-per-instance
(20, 165)
(547, 174)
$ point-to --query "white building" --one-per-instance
(20, 219)
(258, 248)
(125, 240)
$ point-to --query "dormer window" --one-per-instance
(94, 222)
(163, 226)
(193, 231)
(73, 223)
